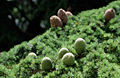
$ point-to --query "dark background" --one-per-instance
(22, 20)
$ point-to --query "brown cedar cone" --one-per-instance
(55, 21)
(63, 16)
(69, 13)
(109, 14)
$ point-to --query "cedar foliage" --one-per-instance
(101, 59)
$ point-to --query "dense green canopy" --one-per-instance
(101, 59)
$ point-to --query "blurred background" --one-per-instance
(22, 20)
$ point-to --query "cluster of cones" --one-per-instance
(60, 19)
